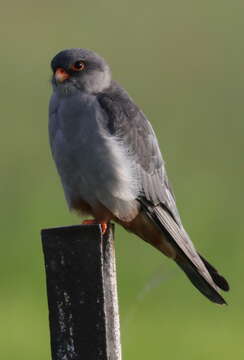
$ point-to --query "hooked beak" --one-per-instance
(61, 75)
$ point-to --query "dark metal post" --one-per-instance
(82, 293)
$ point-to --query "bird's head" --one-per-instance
(80, 69)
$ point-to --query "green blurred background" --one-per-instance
(182, 62)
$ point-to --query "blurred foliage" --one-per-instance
(182, 61)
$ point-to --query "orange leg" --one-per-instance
(104, 225)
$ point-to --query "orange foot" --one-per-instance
(103, 225)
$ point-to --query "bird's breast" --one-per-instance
(92, 164)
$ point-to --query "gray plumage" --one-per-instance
(108, 158)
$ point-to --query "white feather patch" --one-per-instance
(126, 186)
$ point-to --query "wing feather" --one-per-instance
(125, 121)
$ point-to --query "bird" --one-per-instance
(110, 164)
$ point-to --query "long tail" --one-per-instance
(201, 284)
(219, 280)
(202, 274)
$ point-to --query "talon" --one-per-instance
(103, 225)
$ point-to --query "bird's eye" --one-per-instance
(78, 66)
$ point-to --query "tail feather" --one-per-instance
(219, 280)
(200, 283)
(202, 274)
